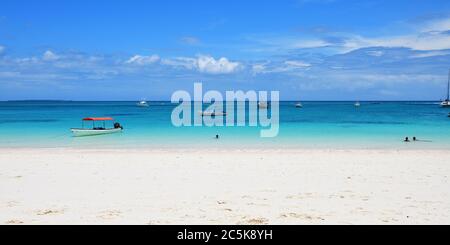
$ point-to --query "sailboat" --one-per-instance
(446, 103)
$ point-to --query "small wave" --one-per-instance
(372, 122)
(123, 114)
(343, 122)
(29, 121)
(424, 103)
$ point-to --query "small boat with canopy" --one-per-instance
(98, 127)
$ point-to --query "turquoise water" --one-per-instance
(318, 124)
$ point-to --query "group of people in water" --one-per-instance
(407, 139)
(414, 139)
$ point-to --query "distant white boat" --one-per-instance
(446, 103)
(299, 105)
(142, 103)
(263, 105)
(357, 104)
(212, 114)
(96, 130)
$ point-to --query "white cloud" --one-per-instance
(258, 68)
(2, 49)
(205, 64)
(50, 56)
(187, 63)
(431, 54)
(27, 60)
(438, 25)
(426, 37)
(431, 35)
(297, 64)
(415, 42)
(208, 64)
(283, 67)
(277, 44)
(143, 60)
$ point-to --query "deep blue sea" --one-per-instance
(316, 125)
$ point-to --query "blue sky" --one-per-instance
(306, 49)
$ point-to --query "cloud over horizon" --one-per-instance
(376, 68)
(204, 64)
(143, 60)
(430, 35)
(49, 56)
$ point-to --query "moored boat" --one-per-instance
(212, 113)
(263, 105)
(96, 130)
(142, 103)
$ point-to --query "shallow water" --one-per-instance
(316, 125)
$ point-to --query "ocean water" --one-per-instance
(316, 125)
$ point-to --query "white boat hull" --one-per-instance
(263, 105)
(212, 114)
(445, 104)
(92, 132)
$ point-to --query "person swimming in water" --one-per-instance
(217, 136)
(406, 139)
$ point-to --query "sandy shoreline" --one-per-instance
(212, 186)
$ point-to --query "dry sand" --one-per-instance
(75, 186)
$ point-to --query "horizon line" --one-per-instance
(50, 100)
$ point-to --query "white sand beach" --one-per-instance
(78, 186)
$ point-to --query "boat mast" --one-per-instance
(448, 86)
